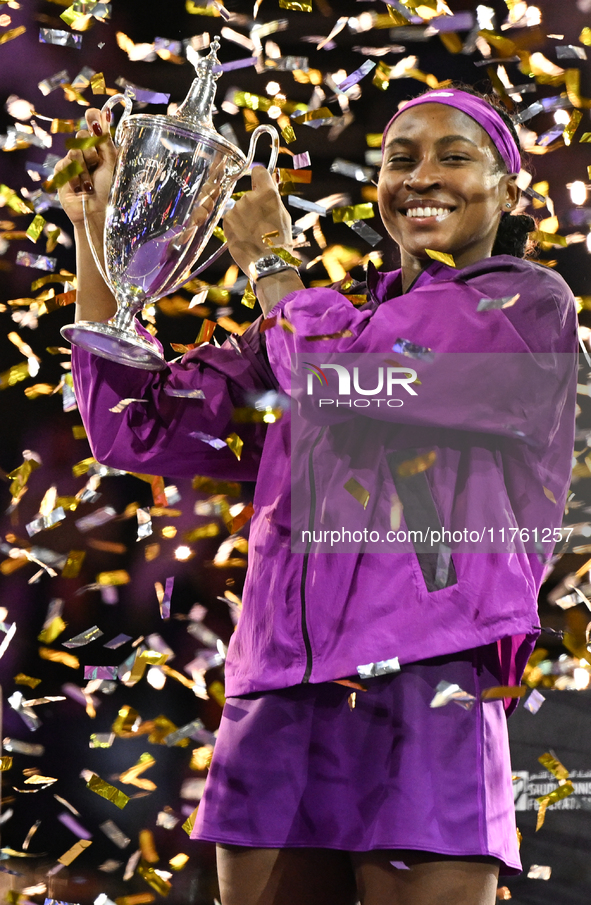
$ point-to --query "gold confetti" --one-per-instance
(585, 36)
(5, 763)
(287, 132)
(190, 822)
(349, 683)
(19, 476)
(106, 790)
(63, 125)
(540, 236)
(201, 758)
(179, 677)
(84, 143)
(211, 529)
(545, 801)
(14, 375)
(417, 465)
(358, 491)
(59, 656)
(381, 77)
(126, 719)
(395, 17)
(287, 175)
(572, 126)
(549, 495)
(249, 299)
(97, 83)
(52, 630)
(36, 779)
(553, 765)
(342, 334)
(235, 444)
(154, 879)
(73, 564)
(301, 6)
(131, 777)
(147, 846)
(9, 196)
(498, 692)
(441, 256)
(374, 139)
(585, 137)
(114, 578)
(22, 679)
(179, 861)
(285, 255)
(12, 33)
(162, 727)
(209, 485)
(74, 851)
(68, 172)
(310, 115)
(216, 691)
(363, 211)
(35, 228)
(197, 9)
(251, 120)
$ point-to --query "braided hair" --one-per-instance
(513, 233)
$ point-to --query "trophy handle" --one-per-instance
(112, 102)
(260, 130)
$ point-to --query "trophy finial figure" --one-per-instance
(198, 104)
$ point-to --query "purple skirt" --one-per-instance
(298, 768)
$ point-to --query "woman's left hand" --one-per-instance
(257, 214)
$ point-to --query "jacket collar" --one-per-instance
(384, 285)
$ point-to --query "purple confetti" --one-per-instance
(165, 605)
(117, 641)
(301, 160)
(145, 96)
(100, 672)
(235, 64)
(74, 826)
(356, 76)
(535, 701)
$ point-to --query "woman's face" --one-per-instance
(441, 186)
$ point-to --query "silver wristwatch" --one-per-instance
(268, 265)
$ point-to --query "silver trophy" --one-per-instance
(172, 181)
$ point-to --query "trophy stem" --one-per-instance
(127, 308)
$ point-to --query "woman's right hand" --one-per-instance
(94, 181)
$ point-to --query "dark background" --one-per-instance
(42, 425)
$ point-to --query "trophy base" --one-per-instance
(110, 342)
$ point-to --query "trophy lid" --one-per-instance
(195, 111)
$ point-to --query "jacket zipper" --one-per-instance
(305, 633)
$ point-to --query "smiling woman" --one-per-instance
(337, 776)
(448, 179)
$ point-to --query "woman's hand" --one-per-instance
(257, 214)
(94, 181)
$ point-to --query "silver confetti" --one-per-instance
(381, 668)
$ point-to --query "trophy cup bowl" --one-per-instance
(172, 181)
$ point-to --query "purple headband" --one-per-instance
(480, 111)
